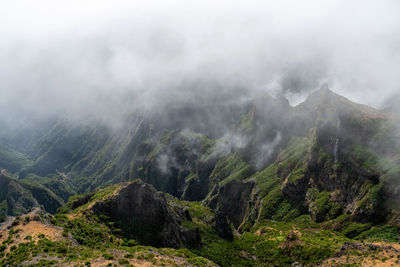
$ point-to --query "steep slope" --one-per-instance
(326, 157)
(142, 213)
(18, 197)
(328, 168)
(33, 239)
(12, 160)
(78, 234)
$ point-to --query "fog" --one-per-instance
(102, 57)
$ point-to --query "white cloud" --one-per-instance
(83, 54)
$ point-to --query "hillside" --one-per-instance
(80, 234)
(260, 182)
(17, 197)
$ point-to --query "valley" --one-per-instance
(260, 183)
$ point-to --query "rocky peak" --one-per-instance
(144, 214)
(323, 98)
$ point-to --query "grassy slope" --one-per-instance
(12, 160)
(267, 243)
(33, 239)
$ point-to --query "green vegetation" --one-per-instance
(293, 208)
(18, 196)
(63, 250)
(86, 231)
(355, 229)
(276, 207)
(108, 256)
(246, 123)
(372, 201)
(266, 179)
(268, 242)
(321, 206)
(55, 183)
(231, 167)
(297, 174)
(12, 160)
(378, 233)
(366, 157)
(293, 155)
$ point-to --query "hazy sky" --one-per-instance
(82, 54)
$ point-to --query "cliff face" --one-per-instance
(143, 214)
(261, 159)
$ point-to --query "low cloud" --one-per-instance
(102, 59)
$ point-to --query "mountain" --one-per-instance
(112, 226)
(213, 173)
(18, 197)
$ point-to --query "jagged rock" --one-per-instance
(178, 155)
(143, 213)
(81, 201)
(233, 200)
(222, 226)
(372, 246)
(296, 190)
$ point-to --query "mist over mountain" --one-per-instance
(199, 133)
(100, 57)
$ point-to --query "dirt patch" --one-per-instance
(369, 254)
(29, 227)
(35, 229)
(137, 260)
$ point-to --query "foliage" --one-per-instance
(321, 206)
(12, 160)
(86, 231)
(230, 168)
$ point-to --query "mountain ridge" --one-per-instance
(186, 163)
(327, 161)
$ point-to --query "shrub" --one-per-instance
(130, 243)
(355, 229)
(26, 220)
(108, 256)
(123, 261)
(129, 256)
(15, 222)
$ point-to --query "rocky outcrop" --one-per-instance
(140, 212)
(222, 226)
(233, 200)
(341, 150)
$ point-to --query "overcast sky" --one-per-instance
(79, 53)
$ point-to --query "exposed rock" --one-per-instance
(222, 226)
(372, 246)
(233, 200)
(143, 213)
(81, 201)
(348, 246)
(296, 190)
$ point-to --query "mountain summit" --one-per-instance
(327, 160)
